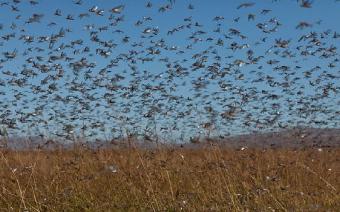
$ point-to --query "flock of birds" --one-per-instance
(107, 78)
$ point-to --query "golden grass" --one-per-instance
(205, 179)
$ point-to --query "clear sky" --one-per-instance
(323, 17)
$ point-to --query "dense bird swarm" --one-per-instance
(103, 73)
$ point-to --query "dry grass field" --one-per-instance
(170, 179)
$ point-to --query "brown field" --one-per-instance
(170, 179)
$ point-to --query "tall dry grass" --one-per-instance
(165, 179)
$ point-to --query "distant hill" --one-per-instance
(292, 138)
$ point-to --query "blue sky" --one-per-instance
(324, 15)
